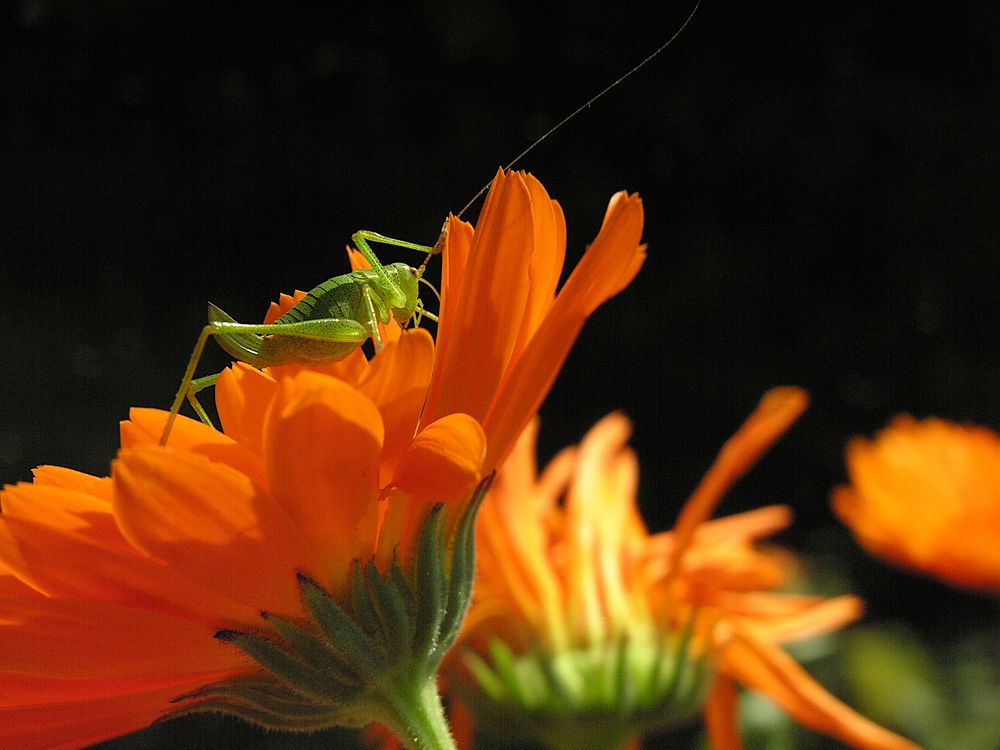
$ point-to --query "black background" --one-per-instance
(820, 185)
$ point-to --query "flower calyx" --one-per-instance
(372, 655)
(599, 695)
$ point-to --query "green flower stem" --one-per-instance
(412, 710)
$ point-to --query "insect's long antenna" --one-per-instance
(424, 281)
(584, 106)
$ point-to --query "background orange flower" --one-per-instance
(926, 495)
(567, 566)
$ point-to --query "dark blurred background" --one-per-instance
(820, 184)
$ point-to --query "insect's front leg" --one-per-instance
(394, 295)
(197, 386)
(366, 293)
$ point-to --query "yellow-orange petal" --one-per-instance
(762, 666)
(789, 618)
(323, 441)
(481, 333)
(212, 525)
(775, 413)
(444, 461)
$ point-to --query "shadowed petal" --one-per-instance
(213, 525)
(323, 442)
(242, 396)
(145, 426)
(80, 722)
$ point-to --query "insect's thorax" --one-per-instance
(341, 297)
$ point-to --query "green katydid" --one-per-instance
(326, 325)
(339, 315)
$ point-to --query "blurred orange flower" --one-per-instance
(572, 592)
(111, 589)
(926, 495)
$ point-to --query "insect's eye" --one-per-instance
(413, 272)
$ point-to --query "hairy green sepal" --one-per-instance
(371, 656)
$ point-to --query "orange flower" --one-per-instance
(320, 488)
(574, 597)
(926, 495)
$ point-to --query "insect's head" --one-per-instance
(407, 279)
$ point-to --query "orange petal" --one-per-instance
(67, 565)
(78, 723)
(607, 266)
(396, 381)
(801, 618)
(454, 259)
(546, 261)
(323, 442)
(764, 667)
(211, 524)
(146, 425)
(285, 303)
(61, 508)
(513, 540)
(67, 639)
(12, 587)
(57, 476)
(773, 416)
(482, 331)
(444, 462)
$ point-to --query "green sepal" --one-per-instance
(389, 604)
(271, 697)
(463, 571)
(341, 631)
(316, 652)
(299, 676)
(430, 582)
(261, 717)
(592, 696)
(371, 655)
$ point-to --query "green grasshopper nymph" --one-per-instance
(339, 315)
(326, 325)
